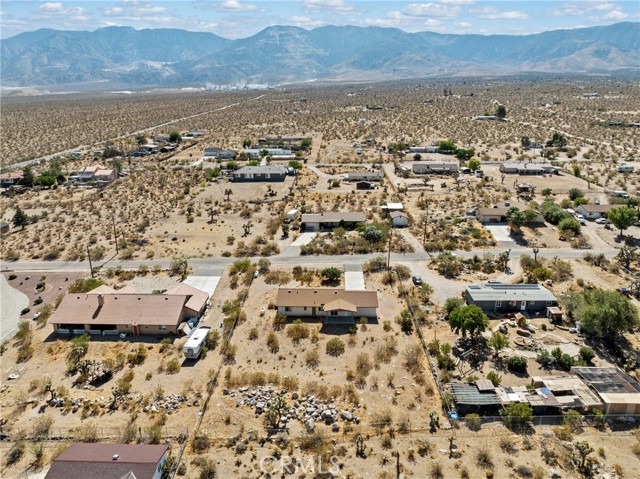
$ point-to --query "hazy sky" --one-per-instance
(242, 18)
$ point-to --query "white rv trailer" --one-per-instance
(193, 347)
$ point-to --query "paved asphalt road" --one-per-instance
(214, 267)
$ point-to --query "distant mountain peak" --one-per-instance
(281, 53)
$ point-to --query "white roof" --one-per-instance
(197, 337)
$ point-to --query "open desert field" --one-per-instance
(355, 400)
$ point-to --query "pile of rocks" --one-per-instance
(169, 403)
(308, 410)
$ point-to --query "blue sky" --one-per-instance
(242, 18)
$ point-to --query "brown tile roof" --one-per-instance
(120, 308)
(317, 296)
(197, 299)
(11, 175)
(95, 461)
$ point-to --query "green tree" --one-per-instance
(516, 415)
(498, 342)
(175, 137)
(501, 112)
(277, 408)
(465, 154)
(623, 217)
(446, 145)
(627, 255)
(372, 234)
(473, 164)
(45, 181)
(547, 192)
(20, 218)
(557, 140)
(575, 193)
(141, 139)
(468, 319)
(451, 304)
(525, 142)
(331, 274)
(569, 225)
(405, 321)
(604, 313)
(515, 218)
(584, 449)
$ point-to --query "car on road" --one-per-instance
(417, 280)
(602, 221)
(256, 273)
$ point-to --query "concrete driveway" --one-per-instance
(12, 302)
(500, 233)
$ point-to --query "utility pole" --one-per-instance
(90, 265)
(115, 235)
(389, 248)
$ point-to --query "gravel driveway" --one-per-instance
(12, 302)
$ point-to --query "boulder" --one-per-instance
(310, 424)
(346, 415)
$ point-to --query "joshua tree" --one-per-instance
(247, 228)
(360, 446)
(536, 250)
(584, 449)
(212, 212)
(276, 410)
(285, 230)
(228, 192)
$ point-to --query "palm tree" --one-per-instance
(516, 219)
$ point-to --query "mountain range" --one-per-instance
(285, 54)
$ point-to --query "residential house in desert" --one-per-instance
(274, 153)
(329, 220)
(105, 311)
(495, 297)
(423, 149)
(498, 212)
(369, 175)
(527, 168)
(267, 173)
(96, 173)
(435, 168)
(329, 304)
(216, 153)
(10, 178)
(593, 212)
(109, 461)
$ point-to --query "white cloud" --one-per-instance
(493, 13)
(579, 8)
(457, 2)
(134, 9)
(432, 23)
(58, 9)
(616, 15)
(463, 24)
(431, 10)
(338, 6)
(306, 22)
(236, 6)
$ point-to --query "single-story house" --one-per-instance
(10, 178)
(328, 303)
(423, 149)
(219, 153)
(592, 212)
(4, 228)
(479, 396)
(197, 302)
(292, 215)
(389, 207)
(496, 297)
(527, 168)
(260, 173)
(97, 173)
(275, 153)
(435, 167)
(399, 219)
(107, 311)
(330, 220)
(364, 185)
(569, 392)
(498, 212)
(109, 461)
(619, 392)
(364, 176)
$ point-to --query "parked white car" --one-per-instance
(602, 221)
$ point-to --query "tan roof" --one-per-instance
(11, 175)
(334, 217)
(104, 172)
(340, 305)
(597, 208)
(197, 298)
(139, 309)
(103, 289)
(92, 169)
(325, 296)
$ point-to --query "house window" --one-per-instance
(549, 303)
(498, 304)
(333, 313)
(287, 308)
(163, 328)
